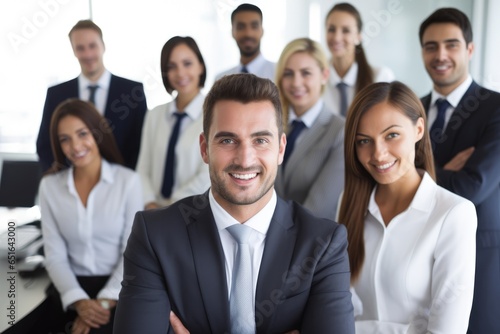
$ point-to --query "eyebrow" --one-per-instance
(263, 133)
(385, 130)
(450, 40)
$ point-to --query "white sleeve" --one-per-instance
(56, 252)
(145, 160)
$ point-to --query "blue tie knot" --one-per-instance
(297, 127)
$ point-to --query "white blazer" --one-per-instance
(418, 273)
(191, 173)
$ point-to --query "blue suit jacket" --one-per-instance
(174, 261)
(476, 122)
(125, 110)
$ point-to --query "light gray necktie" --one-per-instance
(342, 86)
(242, 313)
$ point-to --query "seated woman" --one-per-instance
(349, 68)
(411, 242)
(170, 162)
(312, 172)
(87, 213)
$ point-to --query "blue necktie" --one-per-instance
(168, 177)
(244, 69)
(297, 127)
(342, 86)
(92, 89)
(241, 310)
(437, 127)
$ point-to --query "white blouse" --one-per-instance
(88, 241)
(418, 273)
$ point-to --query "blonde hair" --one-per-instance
(308, 46)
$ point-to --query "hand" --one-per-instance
(177, 325)
(151, 205)
(179, 328)
(458, 162)
(92, 313)
(80, 327)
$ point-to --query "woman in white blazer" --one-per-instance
(183, 71)
(87, 211)
(411, 242)
(312, 172)
(349, 67)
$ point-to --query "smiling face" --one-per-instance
(302, 81)
(247, 32)
(77, 142)
(88, 48)
(342, 34)
(184, 71)
(446, 56)
(385, 143)
(243, 150)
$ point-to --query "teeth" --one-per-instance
(387, 165)
(244, 176)
(441, 68)
(79, 155)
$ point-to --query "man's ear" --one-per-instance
(282, 148)
(204, 147)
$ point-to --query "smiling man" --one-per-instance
(292, 272)
(121, 101)
(464, 123)
(246, 22)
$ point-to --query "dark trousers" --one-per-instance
(60, 322)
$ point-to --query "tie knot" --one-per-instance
(179, 115)
(244, 69)
(240, 233)
(92, 88)
(342, 85)
(297, 125)
(442, 105)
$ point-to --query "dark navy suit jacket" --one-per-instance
(174, 261)
(125, 110)
(476, 122)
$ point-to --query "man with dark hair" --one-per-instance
(290, 271)
(121, 101)
(464, 123)
(246, 22)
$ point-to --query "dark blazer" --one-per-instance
(314, 173)
(174, 261)
(125, 110)
(476, 122)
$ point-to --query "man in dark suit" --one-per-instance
(183, 258)
(121, 101)
(464, 119)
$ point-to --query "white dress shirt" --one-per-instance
(191, 175)
(260, 66)
(101, 93)
(259, 223)
(418, 273)
(453, 98)
(331, 95)
(88, 241)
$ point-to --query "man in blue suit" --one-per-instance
(183, 258)
(464, 123)
(121, 101)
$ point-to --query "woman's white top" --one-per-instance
(418, 273)
(191, 175)
(88, 241)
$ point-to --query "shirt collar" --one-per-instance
(255, 64)
(259, 222)
(106, 175)
(455, 96)
(102, 82)
(309, 116)
(349, 78)
(193, 109)
(422, 201)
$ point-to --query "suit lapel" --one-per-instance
(278, 250)
(209, 262)
(444, 151)
(307, 140)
